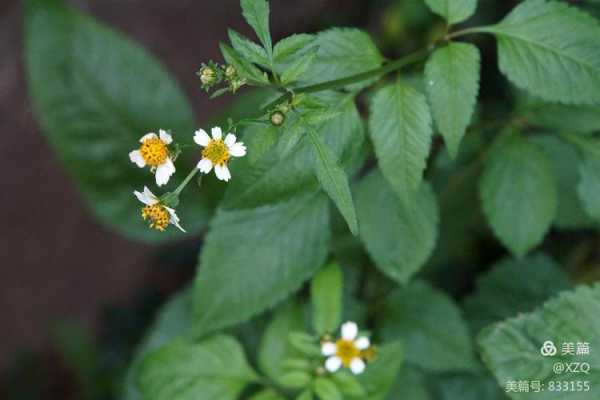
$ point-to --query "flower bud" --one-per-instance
(277, 118)
(208, 76)
(230, 72)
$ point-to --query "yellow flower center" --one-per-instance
(154, 151)
(158, 215)
(216, 151)
(346, 351)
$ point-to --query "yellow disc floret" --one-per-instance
(346, 351)
(157, 214)
(154, 151)
(217, 152)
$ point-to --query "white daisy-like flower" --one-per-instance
(217, 152)
(158, 214)
(349, 351)
(154, 152)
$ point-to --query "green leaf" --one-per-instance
(452, 75)
(564, 118)
(416, 314)
(512, 349)
(499, 295)
(400, 127)
(453, 11)
(291, 48)
(256, 13)
(380, 375)
(180, 370)
(298, 68)
(295, 379)
(275, 347)
(551, 50)
(306, 395)
(243, 67)
(518, 193)
(411, 384)
(306, 344)
(254, 258)
(277, 178)
(468, 386)
(267, 394)
(343, 52)
(173, 319)
(334, 180)
(399, 237)
(565, 162)
(326, 389)
(96, 93)
(326, 296)
(348, 384)
(248, 49)
(589, 184)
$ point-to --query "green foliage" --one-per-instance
(452, 75)
(415, 315)
(589, 184)
(511, 349)
(181, 370)
(326, 389)
(549, 48)
(96, 94)
(454, 11)
(518, 192)
(248, 49)
(400, 127)
(256, 13)
(334, 180)
(499, 295)
(244, 68)
(380, 376)
(399, 237)
(299, 67)
(326, 295)
(285, 243)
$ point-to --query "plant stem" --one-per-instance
(339, 83)
(186, 181)
(468, 31)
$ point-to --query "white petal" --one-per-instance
(217, 133)
(164, 172)
(230, 139)
(146, 197)
(349, 331)
(237, 150)
(201, 138)
(357, 366)
(362, 343)
(136, 157)
(148, 136)
(332, 364)
(174, 220)
(328, 349)
(165, 136)
(205, 165)
(222, 172)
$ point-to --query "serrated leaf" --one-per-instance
(244, 68)
(512, 349)
(415, 314)
(254, 258)
(453, 11)
(299, 67)
(518, 194)
(565, 162)
(277, 178)
(96, 93)
(452, 75)
(551, 49)
(288, 49)
(326, 296)
(248, 49)
(275, 347)
(181, 370)
(334, 180)
(499, 295)
(400, 127)
(399, 237)
(256, 13)
(343, 52)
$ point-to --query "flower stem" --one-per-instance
(185, 181)
(469, 31)
(339, 83)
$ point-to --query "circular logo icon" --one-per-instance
(548, 349)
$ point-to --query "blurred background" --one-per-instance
(75, 297)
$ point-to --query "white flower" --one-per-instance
(154, 152)
(217, 152)
(347, 351)
(160, 216)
